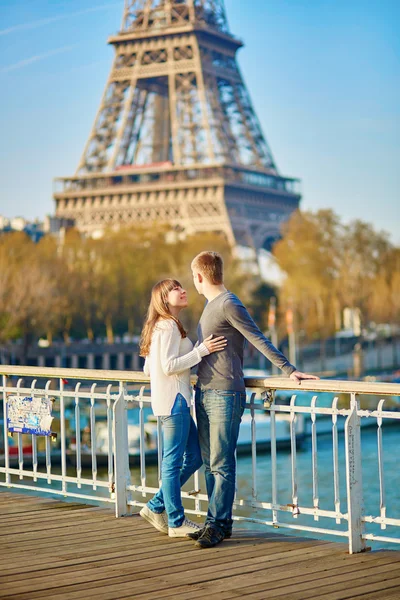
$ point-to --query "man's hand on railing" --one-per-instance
(299, 376)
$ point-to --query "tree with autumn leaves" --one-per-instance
(329, 266)
(85, 288)
(80, 287)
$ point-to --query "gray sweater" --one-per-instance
(226, 315)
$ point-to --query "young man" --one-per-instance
(221, 392)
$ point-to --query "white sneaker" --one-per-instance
(159, 521)
(183, 531)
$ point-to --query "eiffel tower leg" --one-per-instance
(125, 116)
(110, 89)
(161, 134)
(203, 101)
(174, 119)
(139, 129)
(221, 124)
(134, 126)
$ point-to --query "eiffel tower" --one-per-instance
(176, 139)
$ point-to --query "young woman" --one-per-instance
(169, 357)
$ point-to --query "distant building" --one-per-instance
(56, 224)
(35, 229)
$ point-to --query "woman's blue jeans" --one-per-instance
(181, 458)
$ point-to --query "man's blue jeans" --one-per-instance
(219, 414)
(181, 458)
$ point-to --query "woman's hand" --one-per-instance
(215, 344)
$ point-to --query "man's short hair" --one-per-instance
(211, 265)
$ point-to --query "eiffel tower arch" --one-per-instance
(176, 139)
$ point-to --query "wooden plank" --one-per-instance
(227, 588)
(39, 507)
(32, 528)
(96, 529)
(265, 579)
(154, 558)
(92, 579)
(168, 564)
(37, 501)
(94, 538)
(154, 547)
(375, 576)
(352, 591)
(9, 516)
(68, 552)
(170, 546)
(378, 583)
(86, 517)
(390, 593)
(28, 519)
(160, 579)
(26, 571)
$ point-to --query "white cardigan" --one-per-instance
(168, 364)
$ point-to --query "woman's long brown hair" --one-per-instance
(158, 309)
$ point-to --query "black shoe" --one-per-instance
(210, 538)
(227, 534)
(197, 534)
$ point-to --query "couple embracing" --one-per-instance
(219, 397)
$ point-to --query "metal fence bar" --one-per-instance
(78, 440)
(20, 454)
(142, 449)
(78, 445)
(63, 438)
(380, 466)
(19, 438)
(379, 520)
(47, 440)
(110, 464)
(34, 440)
(121, 455)
(33, 488)
(196, 477)
(273, 466)
(55, 477)
(5, 431)
(314, 451)
(335, 455)
(381, 538)
(48, 459)
(93, 442)
(253, 449)
(354, 478)
(293, 450)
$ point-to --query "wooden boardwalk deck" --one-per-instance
(62, 551)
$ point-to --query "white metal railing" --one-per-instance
(93, 421)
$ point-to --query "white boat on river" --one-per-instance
(262, 429)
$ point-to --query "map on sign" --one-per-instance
(29, 415)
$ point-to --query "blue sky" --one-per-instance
(324, 76)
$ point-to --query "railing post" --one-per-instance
(121, 455)
(355, 501)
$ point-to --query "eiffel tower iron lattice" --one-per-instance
(176, 139)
